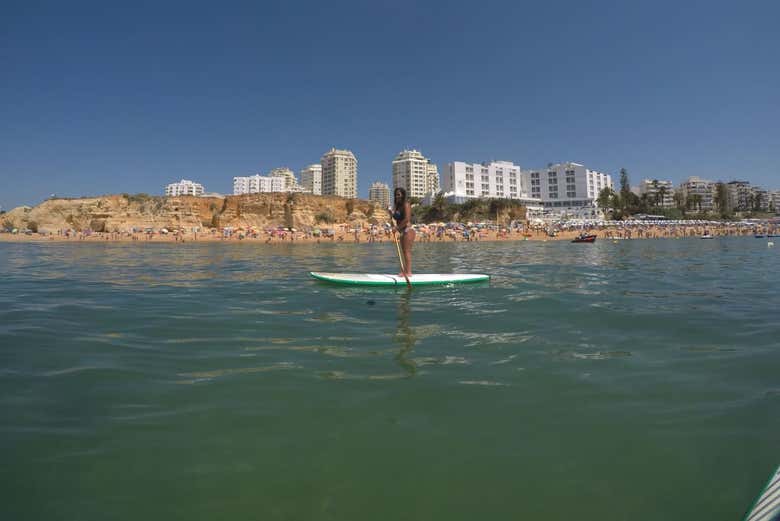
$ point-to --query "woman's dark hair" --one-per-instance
(399, 201)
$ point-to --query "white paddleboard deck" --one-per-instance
(376, 279)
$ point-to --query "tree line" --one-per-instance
(624, 203)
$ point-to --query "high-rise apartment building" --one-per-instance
(255, 184)
(415, 173)
(339, 173)
(567, 186)
(184, 187)
(432, 172)
(380, 193)
(660, 193)
(311, 179)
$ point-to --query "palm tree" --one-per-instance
(757, 202)
(606, 199)
(679, 199)
(722, 198)
(662, 192)
(655, 192)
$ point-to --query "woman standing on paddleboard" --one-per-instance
(402, 213)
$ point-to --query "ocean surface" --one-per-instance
(620, 380)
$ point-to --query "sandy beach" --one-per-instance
(345, 234)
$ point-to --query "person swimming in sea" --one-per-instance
(402, 214)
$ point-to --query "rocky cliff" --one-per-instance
(124, 212)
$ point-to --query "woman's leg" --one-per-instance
(406, 247)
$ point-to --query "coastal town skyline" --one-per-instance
(295, 177)
(115, 101)
(538, 189)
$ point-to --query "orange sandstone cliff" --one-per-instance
(118, 213)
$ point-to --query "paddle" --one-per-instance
(401, 259)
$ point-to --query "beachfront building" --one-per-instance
(339, 173)
(415, 173)
(432, 174)
(760, 199)
(699, 193)
(184, 187)
(739, 195)
(498, 179)
(659, 193)
(256, 184)
(379, 193)
(774, 201)
(746, 198)
(311, 179)
(567, 187)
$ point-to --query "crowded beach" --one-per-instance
(533, 230)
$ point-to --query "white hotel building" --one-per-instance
(567, 187)
(184, 187)
(498, 179)
(256, 184)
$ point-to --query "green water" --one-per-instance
(637, 380)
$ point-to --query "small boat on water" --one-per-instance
(585, 238)
(758, 236)
(707, 236)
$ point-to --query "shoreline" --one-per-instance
(643, 233)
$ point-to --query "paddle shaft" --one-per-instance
(400, 258)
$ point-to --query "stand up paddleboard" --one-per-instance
(767, 504)
(373, 279)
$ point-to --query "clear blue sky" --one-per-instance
(96, 98)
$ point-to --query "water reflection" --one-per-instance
(404, 334)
